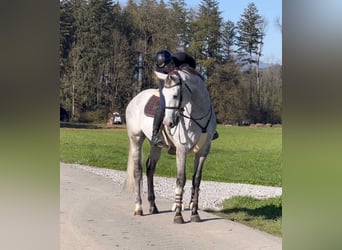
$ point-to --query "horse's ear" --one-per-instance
(160, 76)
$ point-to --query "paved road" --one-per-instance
(95, 214)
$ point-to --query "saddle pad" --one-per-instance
(151, 106)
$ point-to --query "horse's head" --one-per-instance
(177, 94)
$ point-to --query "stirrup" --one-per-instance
(156, 141)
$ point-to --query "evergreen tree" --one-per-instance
(195, 37)
(180, 23)
(100, 22)
(76, 60)
(67, 36)
(250, 36)
(122, 65)
(207, 36)
(67, 30)
(226, 92)
(228, 36)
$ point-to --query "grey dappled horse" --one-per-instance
(191, 122)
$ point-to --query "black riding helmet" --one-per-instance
(163, 58)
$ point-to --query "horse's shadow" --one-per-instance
(160, 212)
(209, 219)
(169, 211)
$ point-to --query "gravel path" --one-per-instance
(211, 195)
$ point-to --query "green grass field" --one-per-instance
(265, 215)
(240, 155)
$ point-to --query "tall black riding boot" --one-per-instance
(216, 135)
(158, 119)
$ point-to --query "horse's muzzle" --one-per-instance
(171, 122)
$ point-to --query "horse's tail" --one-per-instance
(129, 185)
(133, 166)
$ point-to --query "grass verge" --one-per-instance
(265, 215)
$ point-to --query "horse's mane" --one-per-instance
(191, 71)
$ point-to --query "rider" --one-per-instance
(166, 62)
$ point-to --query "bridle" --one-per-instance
(180, 84)
(179, 108)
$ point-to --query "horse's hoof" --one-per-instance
(195, 218)
(191, 205)
(178, 219)
(154, 210)
(139, 212)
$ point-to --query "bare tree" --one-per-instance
(262, 29)
(278, 24)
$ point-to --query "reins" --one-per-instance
(204, 129)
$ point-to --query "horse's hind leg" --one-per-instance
(135, 158)
(196, 181)
(150, 169)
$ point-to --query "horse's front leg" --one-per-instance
(196, 181)
(150, 169)
(180, 182)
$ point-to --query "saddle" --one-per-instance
(150, 110)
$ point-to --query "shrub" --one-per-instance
(97, 116)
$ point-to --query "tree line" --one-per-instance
(107, 50)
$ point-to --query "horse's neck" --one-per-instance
(200, 102)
